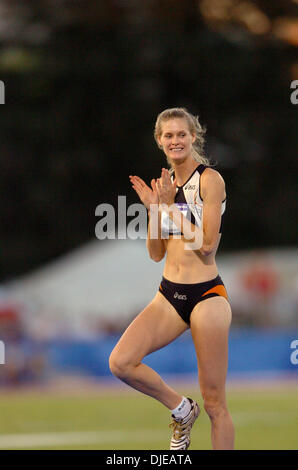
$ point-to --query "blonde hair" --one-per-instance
(194, 126)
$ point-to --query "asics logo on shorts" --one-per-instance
(179, 297)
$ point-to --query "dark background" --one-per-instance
(84, 82)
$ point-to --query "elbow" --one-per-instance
(156, 253)
(206, 250)
(156, 257)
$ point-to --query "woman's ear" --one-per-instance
(159, 143)
(193, 138)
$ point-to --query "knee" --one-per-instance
(119, 365)
(214, 404)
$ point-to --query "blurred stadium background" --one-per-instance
(84, 81)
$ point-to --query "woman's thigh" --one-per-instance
(155, 327)
(210, 323)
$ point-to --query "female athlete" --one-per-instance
(185, 207)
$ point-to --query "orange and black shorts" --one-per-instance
(184, 297)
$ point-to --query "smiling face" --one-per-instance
(176, 139)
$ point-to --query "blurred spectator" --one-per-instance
(24, 359)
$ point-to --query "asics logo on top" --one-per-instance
(190, 186)
(179, 297)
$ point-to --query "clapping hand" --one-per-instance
(146, 194)
(166, 188)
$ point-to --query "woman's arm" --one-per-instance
(155, 244)
(166, 190)
(149, 197)
(192, 235)
(213, 194)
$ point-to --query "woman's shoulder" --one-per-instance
(211, 175)
(212, 178)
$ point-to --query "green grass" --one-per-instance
(263, 418)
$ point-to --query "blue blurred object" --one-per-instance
(252, 352)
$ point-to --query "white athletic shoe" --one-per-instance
(181, 428)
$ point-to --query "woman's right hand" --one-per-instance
(147, 195)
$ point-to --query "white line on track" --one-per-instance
(60, 439)
(15, 441)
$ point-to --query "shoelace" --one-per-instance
(179, 429)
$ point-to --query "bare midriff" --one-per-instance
(186, 266)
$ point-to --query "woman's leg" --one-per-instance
(155, 327)
(210, 322)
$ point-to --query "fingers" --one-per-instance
(164, 181)
(153, 186)
(158, 185)
(165, 174)
(137, 188)
(166, 178)
(137, 183)
(136, 179)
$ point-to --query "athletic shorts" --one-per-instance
(184, 297)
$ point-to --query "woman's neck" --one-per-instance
(184, 169)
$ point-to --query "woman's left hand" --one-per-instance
(166, 189)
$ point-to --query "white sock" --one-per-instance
(182, 410)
